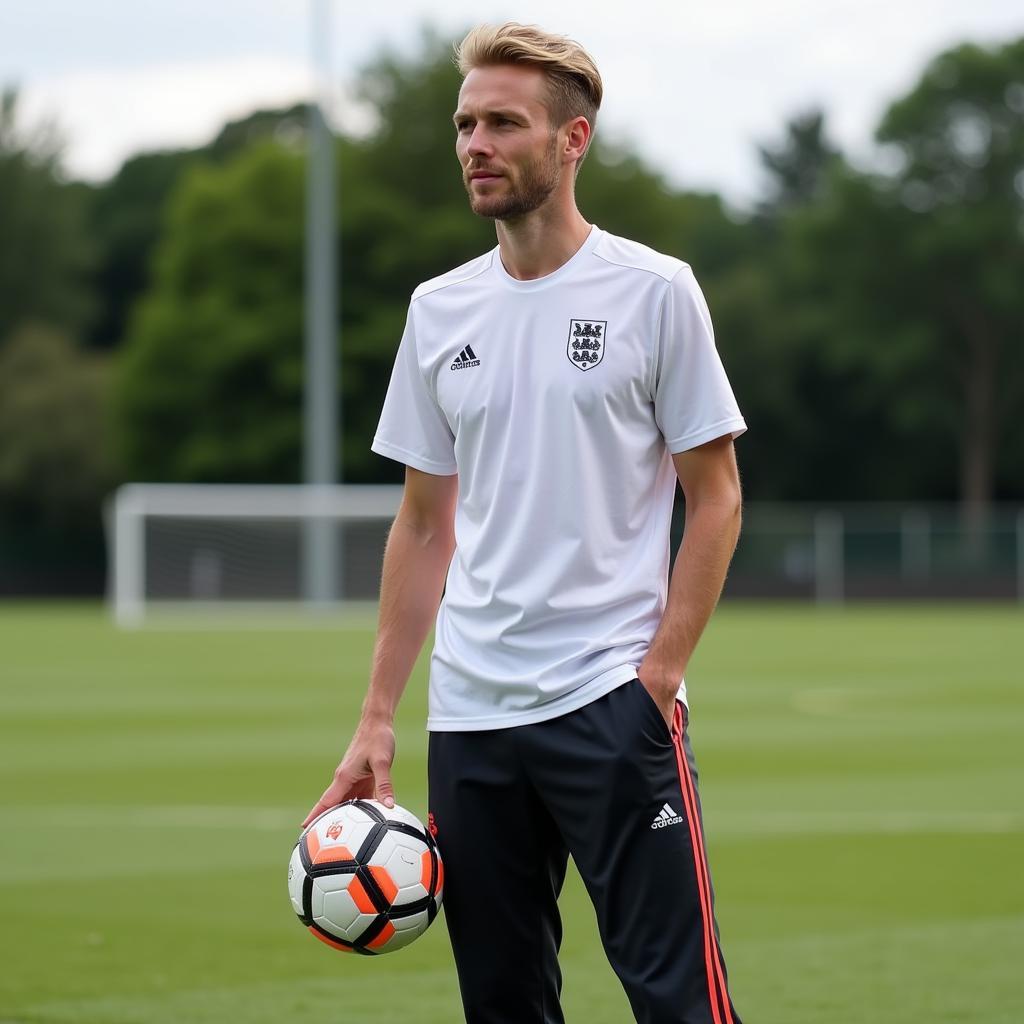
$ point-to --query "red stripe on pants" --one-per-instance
(717, 992)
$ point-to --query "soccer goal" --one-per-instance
(289, 551)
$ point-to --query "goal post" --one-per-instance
(196, 547)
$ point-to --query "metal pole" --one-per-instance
(320, 408)
(129, 559)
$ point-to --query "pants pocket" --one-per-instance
(664, 733)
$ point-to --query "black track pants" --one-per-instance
(615, 787)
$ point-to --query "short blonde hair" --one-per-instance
(574, 83)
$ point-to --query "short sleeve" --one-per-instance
(693, 401)
(412, 428)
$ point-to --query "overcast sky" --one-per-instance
(694, 83)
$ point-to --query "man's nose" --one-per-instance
(479, 144)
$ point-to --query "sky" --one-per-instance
(693, 85)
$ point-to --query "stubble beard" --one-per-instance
(537, 181)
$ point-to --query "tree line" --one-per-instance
(871, 320)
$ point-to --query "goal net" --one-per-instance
(271, 548)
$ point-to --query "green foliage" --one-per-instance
(404, 219)
(126, 213)
(54, 451)
(125, 216)
(799, 166)
(412, 151)
(921, 285)
(960, 134)
(209, 387)
(44, 249)
(871, 323)
(884, 316)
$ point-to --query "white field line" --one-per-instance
(719, 823)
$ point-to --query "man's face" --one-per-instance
(504, 141)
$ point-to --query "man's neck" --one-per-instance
(539, 243)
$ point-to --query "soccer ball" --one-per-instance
(366, 878)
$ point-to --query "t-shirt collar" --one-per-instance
(537, 283)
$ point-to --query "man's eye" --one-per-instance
(462, 126)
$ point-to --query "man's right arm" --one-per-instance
(419, 549)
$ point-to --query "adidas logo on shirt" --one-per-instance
(666, 816)
(465, 359)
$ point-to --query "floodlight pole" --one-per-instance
(321, 406)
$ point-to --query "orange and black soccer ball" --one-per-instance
(365, 878)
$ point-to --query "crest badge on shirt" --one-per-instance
(587, 339)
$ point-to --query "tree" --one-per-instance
(915, 279)
(888, 302)
(44, 252)
(798, 166)
(126, 212)
(209, 385)
(404, 217)
(125, 216)
(960, 191)
(54, 456)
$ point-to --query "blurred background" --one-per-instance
(195, 198)
(848, 189)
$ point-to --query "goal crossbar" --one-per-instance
(134, 505)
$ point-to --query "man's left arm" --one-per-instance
(711, 485)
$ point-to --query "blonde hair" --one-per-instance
(574, 83)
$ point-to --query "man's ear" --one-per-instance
(579, 134)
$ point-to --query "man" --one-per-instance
(545, 398)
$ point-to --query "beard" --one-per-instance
(536, 181)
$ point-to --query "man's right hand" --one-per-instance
(365, 770)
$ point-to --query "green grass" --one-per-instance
(861, 770)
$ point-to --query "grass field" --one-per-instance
(862, 773)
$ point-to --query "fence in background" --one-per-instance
(872, 550)
(196, 547)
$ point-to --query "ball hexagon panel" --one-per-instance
(404, 930)
(296, 876)
(400, 814)
(337, 834)
(342, 906)
(397, 865)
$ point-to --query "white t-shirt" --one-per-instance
(558, 402)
